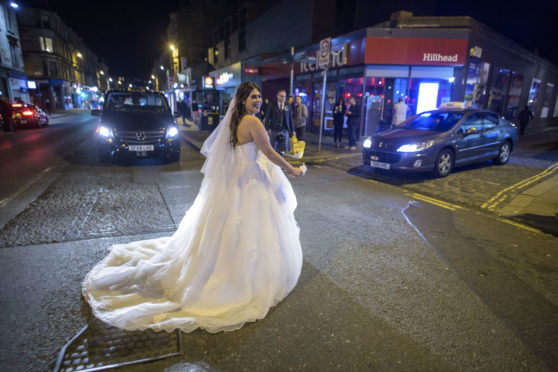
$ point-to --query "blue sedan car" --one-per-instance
(439, 140)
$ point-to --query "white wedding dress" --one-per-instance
(236, 252)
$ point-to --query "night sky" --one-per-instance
(129, 35)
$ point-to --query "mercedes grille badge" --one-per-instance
(140, 136)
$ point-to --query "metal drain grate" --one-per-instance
(99, 346)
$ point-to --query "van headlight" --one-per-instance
(105, 131)
(172, 131)
(415, 147)
(367, 143)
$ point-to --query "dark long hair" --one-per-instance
(238, 111)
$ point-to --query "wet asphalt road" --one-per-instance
(388, 283)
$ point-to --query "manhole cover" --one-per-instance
(99, 346)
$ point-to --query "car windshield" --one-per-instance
(136, 102)
(438, 121)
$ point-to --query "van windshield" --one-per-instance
(137, 102)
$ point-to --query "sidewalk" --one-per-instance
(538, 204)
(194, 137)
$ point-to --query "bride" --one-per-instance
(235, 254)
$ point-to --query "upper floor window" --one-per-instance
(46, 44)
(8, 14)
(45, 20)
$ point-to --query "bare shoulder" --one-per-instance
(250, 120)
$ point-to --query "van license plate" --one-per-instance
(141, 148)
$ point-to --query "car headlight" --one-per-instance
(367, 143)
(172, 131)
(105, 132)
(415, 147)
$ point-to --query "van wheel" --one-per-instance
(503, 153)
(444, 163)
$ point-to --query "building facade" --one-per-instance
(13, 80)
(426, 61)
(64, 70)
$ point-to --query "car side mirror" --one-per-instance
(96, 112)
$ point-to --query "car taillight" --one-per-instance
(27, 113)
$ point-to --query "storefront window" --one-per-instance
(477, 78)
(428, 94)
(350, 87)
(516, 85)
(534, 93)
(316, 106)
(374, 105)
(547, 100)
(498, 90)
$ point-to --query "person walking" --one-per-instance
(279, 123)
(338, 120)
(400, 110)
(300, 117)
(524, 116)
(236, 253)
(182, 108)
(353, 119)
(6, 111)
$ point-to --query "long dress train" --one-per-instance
(235, 254)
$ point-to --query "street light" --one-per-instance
(14, 5)
(78, 55)
(162, 68)
(171, 47)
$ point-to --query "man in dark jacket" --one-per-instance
(524, 117)
(279, 123)
(6, 112)
(353, 123)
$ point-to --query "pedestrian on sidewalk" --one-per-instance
(524, 116)
(279, 123)
(353, 119)
(6, 111)
(400, 111)
(182, 109)
(338, 120)
(300, 118)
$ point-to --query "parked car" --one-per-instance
(137, 125)
(28, 115)
(439, 140)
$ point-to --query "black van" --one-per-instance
(137, 125)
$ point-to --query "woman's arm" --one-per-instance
(259, 135)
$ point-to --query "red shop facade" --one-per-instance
(376, 67)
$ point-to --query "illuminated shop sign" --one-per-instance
(251, 70)
(339, 56)
(227, 77)
(208, 82)
(223, 78)
(415, 51)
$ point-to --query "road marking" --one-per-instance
(27, 185)
(439, 203)
(520, 225)
(500, 197)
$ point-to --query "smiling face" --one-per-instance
(253, 102)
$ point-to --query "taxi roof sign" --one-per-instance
(455, 105)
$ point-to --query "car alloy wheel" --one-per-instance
(444, 163)
(503, 153)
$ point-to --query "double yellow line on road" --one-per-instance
(501, 196)
(439, 203)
